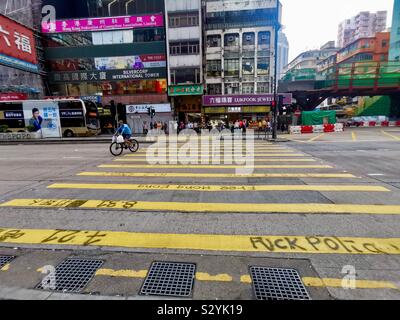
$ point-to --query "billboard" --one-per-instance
(103, 24)
(131, 62)
(45, 118)
(143, 108)
(17, 46)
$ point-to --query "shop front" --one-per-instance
(186, 101)
(138, 117)
(232, 108)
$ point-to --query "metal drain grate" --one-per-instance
(277, 284)
(72, 275)
(5, 259)
(169, 279)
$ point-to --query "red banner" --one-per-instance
(13, 96)
(17, 41)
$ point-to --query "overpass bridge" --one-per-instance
(350, 80)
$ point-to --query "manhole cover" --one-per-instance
(277, 284)
(169, 279)
(5, 259)
(72, 275)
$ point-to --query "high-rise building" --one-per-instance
(185, 57)
(394, 53)
(240, 54)
(114, 50)
(20, 66)
(283, 54)
(363, 25)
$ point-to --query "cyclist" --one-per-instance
(125, 131)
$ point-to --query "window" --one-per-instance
(184, 48)
(248, 66)
(214, 68)
(214, 89)
(231, 40)
(248, 39)
(384, 43)
(187, 75)
(232, 88)
(263, 87)
(184, 20)
(231, 67)
(263, 66)
(264, 38)
(213, 41)
(248, 88)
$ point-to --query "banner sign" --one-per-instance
(13, 96)
(131, 62)
(186, 90)
(244, 100)
(13, 115)
(17, 45)
(103, 24)
(143, 108)
(108, 75)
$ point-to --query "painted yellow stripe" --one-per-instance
(205, 242)
(141, 274)
(222, 159)
(217, 175)
(216, 188)
(354, 136)
(338, 283)
(221, 152)
(6, 267)
(198, 155)
(134, 166)
(307, 208)
(122, 273)
(202, 276)
(391, 135)
(316, 138)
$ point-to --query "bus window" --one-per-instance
(12, 115)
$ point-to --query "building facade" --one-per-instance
(394, 54)
(115, 50)
(16, 76)
(363, 25)
(239, 52)
(283, 54)
(185, 58)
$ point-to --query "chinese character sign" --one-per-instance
(101, 24)
(17, 45)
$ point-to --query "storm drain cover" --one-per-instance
(169, 279)
(277, 284)
(5, 259)
(72, 275)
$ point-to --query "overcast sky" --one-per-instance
(309, 24)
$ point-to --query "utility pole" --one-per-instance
(275, 111)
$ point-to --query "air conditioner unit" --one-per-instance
(214, 68)
(231, 38)
(235, 85)
(249, 38)
(264, 37)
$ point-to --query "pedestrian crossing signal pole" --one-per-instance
(275, 80)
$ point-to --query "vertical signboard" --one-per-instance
(45, 118)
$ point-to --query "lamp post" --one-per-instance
(275, 81)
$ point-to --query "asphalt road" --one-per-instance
(318, 204)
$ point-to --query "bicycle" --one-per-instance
(118, 145)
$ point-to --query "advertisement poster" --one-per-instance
(44, 119)
(131, 62)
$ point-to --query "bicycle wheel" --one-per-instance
(116, 149)
(135, 145)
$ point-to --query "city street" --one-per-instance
(320, 204)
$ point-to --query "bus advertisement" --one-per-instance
(50, 118)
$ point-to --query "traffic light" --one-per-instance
(153, 112)
(273, 105)
(149, 111)
(280, 104)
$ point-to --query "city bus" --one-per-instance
(77, 117)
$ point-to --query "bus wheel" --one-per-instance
(68, 134)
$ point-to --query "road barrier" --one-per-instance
(326, 128)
